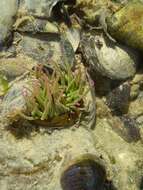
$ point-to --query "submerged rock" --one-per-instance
(111, 60)
(126, 24)
(124, 160)
(44, 49)
(136, 108)
(35, 25)
(125, 125)
(132, 130)
(34, 159)
(7, 15)
(13, 102)
(15, 67)
(118, 99)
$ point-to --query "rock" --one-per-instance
(118, 99)
(35, 25)
(94, 11)
(34, 163)
(111, 60)
(136, 108)
(34, 159)
(126, 24)
(131, 129)
(15, 67)
(44, 49)
(137, 86)
(121, 155)
(134, 91)
(7, 15)
(125, 126)
(13, 102)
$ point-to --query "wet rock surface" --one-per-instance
(21, 158)
(15, 67)
(7, 17)
(52, 48)
(125, 25)
(110, 132)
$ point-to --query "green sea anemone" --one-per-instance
(55, 94)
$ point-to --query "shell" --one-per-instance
(47, 49)
(126, 25)
(118, 99)
(40, 8)
(111, 60)
(85, 174)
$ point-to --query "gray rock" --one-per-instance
(125, 125)
(122, 156)
(48, 49)
(36, 161)
(111, 60)
(15, 67)
(136, 108)
(13, 102)
(7, 14)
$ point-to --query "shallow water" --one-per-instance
(99, 142)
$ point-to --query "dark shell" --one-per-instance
(84, 175)
(118, 99)
(131, 131)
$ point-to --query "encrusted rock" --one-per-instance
(15, 67)
(136, 107)
(134, 91)
(35, 25)
(111, 60)
(7, 14)
(13, 102)
(126, 24)
(34, 159)
(44, 49)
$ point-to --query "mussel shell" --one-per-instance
(84, 175)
